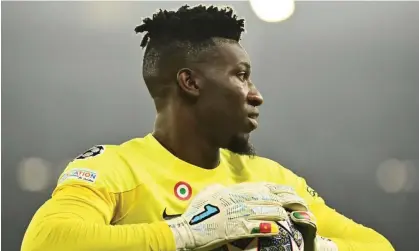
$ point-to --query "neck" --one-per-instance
(181, 135)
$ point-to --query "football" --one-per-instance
(288, 239)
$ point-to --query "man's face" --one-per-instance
(228, 99)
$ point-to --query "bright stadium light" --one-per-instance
(273, 10)
(34, 174)
(392, 175)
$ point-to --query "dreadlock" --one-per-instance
(172, 37)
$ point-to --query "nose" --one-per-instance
(254, 98)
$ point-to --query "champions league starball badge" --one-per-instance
(94, 151)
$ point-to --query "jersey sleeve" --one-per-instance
(344, 232)
(80, 212)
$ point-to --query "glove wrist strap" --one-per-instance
(183, 237)
(324, 244)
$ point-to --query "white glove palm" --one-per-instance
(218, 214)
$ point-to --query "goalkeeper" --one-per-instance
(147, 193)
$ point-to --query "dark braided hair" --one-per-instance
(171, 37)
(191, 24)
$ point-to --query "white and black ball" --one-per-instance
(288, 239)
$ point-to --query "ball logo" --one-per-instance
(183, 191)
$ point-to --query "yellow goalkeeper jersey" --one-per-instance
(104, 193)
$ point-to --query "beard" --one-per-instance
(241, 145)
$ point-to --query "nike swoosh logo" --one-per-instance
(169, 216)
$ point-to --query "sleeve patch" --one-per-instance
(312, 192)
(92, 152)
(79, 174)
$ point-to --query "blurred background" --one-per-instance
(340, 82)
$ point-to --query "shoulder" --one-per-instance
(283, 175)
(101, 166)
(272, 171)
(278, 173)
(259, 163)
(263, 168)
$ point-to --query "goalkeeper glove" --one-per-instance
(305, 222)
(218, 215)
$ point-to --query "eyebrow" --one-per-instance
(245, 64)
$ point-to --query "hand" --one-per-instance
(219, 214)
(285, 195)
(305, 222)
(303, 219)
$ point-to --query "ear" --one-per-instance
(186, 80)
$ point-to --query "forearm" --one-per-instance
(349, 235)
(68, 225)
(344, 232)
(376, 244)
(78, 235)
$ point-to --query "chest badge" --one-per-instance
(182, 190)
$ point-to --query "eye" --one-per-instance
(243, 76)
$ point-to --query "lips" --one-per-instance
(252, 116)
(253, 122)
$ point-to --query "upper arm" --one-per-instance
(86, 189)
(80, 213)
